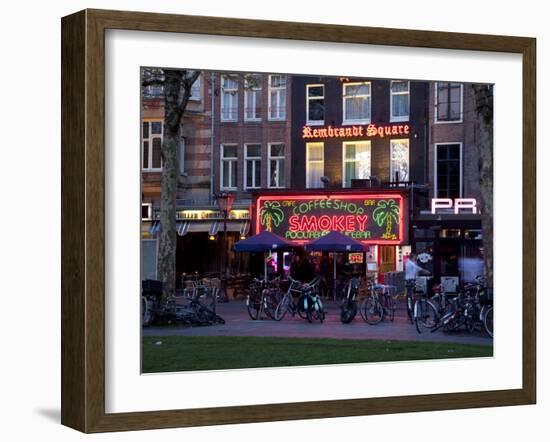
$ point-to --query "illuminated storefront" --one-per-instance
(377, 219)
(448, 240)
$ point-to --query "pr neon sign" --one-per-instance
(369, 131)
(456, 204)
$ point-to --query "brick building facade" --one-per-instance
(451, 242)
(257, 126)
(256, 134)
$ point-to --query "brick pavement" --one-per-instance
(238, 323)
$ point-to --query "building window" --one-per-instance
(228, 177)
(448, 102)
(356, 161)
(315, 165)
(181, 157)
(196, 90)
(357, 101)
(151, 136)
(448, 171)
(399, 103)
(277, 97)
(399, 160)
(276, 165)
(146, 211)
(315, 103)
(229, 104)
(252, 97)
(252, 166)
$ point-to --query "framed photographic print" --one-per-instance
(261, 220)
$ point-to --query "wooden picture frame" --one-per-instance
(83, 220)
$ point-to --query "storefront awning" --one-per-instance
(210, 227)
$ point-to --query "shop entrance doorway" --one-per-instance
(386, 256)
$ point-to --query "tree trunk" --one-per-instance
(177, 89)
(168, 238)
(484, 132)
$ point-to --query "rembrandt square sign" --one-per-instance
(369, 217)
(361, 131)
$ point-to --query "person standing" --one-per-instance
(412, 271)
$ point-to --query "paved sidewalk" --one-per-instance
(238, 323)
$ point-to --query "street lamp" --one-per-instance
(225, 203)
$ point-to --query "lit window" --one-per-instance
(196, 90)
(151, 142)
(448, 171)
(356, 161)
(228, 177)
(253, 169)
(277, 97)
(146, 211)
(315, 103)
(357, 102)
(315, 165)
(252, 97)
(399, 91)
(276, 165)
(399, 161)
(229, 99)
(448, 102)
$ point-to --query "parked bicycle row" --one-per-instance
(468, 310)
(471, 309)
(279, 297)
(195, 305)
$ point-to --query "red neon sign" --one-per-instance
(369, 131)
(349, 223)
(368, 218)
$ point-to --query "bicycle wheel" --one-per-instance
(488, 321)
(253, 305)
(146, 312)
(272, 299)
(321, 314)
(391, 307)
(207, 298)
(302, 307)
(372, 311)
(425, 315)
(410, 309)
(348, 311)
(282, 307)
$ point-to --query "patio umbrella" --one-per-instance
(335, 242)
(262, 242)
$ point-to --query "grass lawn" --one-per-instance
(184, 353)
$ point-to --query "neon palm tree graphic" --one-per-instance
(386, 212)
(271, 215)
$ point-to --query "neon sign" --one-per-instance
(370, 130)
(369, 218)
(456, 204)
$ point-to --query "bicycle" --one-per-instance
(482, 305)
(190, 308)
(372, 307)
(487, 318)
(348, 307)
(262, 297)
(425, 312)
(287, 303)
